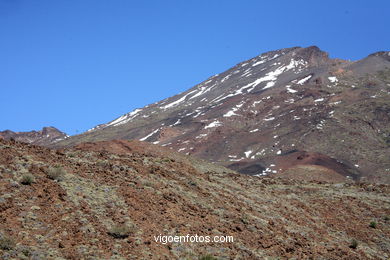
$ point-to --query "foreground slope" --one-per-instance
(102, 185)
(295, 100)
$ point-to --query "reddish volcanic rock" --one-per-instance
(46, 136)
(101, 194)
(293, 98)
(326, 167)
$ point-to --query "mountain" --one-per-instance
(46, 136)
(115, 199)
(283, 109)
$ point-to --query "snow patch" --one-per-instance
(177, 102)
(273, 75)
(213, 124)
(255, 103)
(302, 81)
(248, 71)
(202, 90)
(290, 90)
(335, 103)
(237, 160)
(258, 63)
(149, 135)
(226, 78)
(333, 79)
(320, 125)
(247, 153)
(200, 136)
(177, 122)
(231, 113)
(125, 118)
(267, 170)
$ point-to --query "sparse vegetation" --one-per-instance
(354, 244)
(102, 163)
(6, 243)
(181, 201)
(207, 257)
(121, 231)
(56, 173)
(27, 179)
(146, 183)
(244, 220)
(386, 139)
(164, 160)
(192, 183)
(71, 155)
(26, 252)
(373, 224)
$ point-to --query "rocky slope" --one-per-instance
(108, 200)
(46, 136)
(255, 115)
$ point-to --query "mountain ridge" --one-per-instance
(48, 135)
(276, 102)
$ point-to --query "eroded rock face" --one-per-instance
(46, 136)
(295, 98)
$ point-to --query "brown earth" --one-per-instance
(319, 167)
(312, 173)
(107, 184)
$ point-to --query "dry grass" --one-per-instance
(121, 231)
(27, 179)
(6, 243)
(56, 173)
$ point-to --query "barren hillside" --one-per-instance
(109, 200)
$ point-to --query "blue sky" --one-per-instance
(75, 64)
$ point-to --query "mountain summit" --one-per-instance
(283, 110)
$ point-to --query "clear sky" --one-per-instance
(74, 64)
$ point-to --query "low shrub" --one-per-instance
(121, 231)
(26, 252)
(192, 183)
(354, 244)
(56, 173)
(373, 224)
(207, 257)
(27, 179)
(6, 243)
